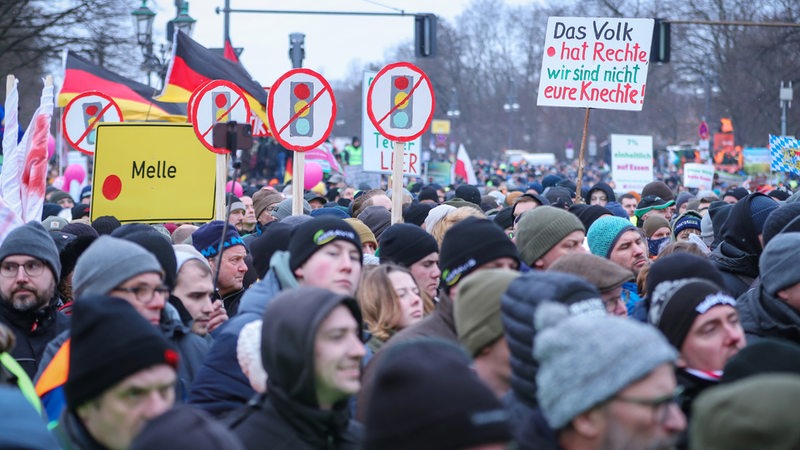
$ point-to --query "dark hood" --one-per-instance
(290, 326)
(739, 229)
(600, 187)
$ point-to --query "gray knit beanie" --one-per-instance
(776, 263)
(585, 359)
(32, 239)
(285, 209)
(109, 262)
(541, 228)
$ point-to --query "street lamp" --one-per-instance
(511, 106)
(183, 21)
(143, 19)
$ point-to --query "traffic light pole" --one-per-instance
(424, 31)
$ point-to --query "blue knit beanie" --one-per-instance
(206, 239)
(604, 232)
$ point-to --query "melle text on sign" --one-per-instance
(595, 63)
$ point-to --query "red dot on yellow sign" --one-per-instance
(112, 186)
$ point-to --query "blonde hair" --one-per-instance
(380, 305)
(453, 217)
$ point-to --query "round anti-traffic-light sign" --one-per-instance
(301, 109)
(400, 102)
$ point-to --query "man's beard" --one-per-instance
(617, 438)
(29, 303)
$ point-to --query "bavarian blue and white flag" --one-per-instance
(785, 154)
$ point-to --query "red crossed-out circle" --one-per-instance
(76, 143)
(401, 83)
(195, 101)
(302, 92)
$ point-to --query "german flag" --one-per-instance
(192, 65)
(135, 99)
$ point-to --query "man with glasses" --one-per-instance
(608, 277)
(29, 270)
(605, 382)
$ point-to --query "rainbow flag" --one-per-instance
(193, 65)
(134, 99)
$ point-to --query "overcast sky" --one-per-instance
(334, 44)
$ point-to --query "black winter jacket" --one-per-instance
(32, 331)
(288, 417)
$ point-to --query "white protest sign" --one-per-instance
(631, 161)
(700, 176)
(377, 149)
(595, 62)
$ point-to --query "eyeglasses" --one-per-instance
(32, 268)
(144, 294)
(659, 405)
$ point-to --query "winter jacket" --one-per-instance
(763, 315)
(737, 254)
(288, 416)
(22, 427)
(220, 385)
(231, 301)
(33, 330)
(72, 435)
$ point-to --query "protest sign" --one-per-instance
(700, 176)
(631, 161)
(595, 63)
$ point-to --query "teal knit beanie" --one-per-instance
(604, 232)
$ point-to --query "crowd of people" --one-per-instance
(524, 314)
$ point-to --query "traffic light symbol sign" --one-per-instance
(220, 106)
(91, 116)
(401, 101)
(301, 109)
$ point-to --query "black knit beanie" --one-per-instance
(106, 224)
(782, 220)
(110, 341)
(469, 193)
(680, 265)
(71, 252)
(406, 244)
(308, 237)
(470, 244)
(416, 213)
(161, 248)
(505, 217)
(414, 406)
(274, 238)
(676, 304)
